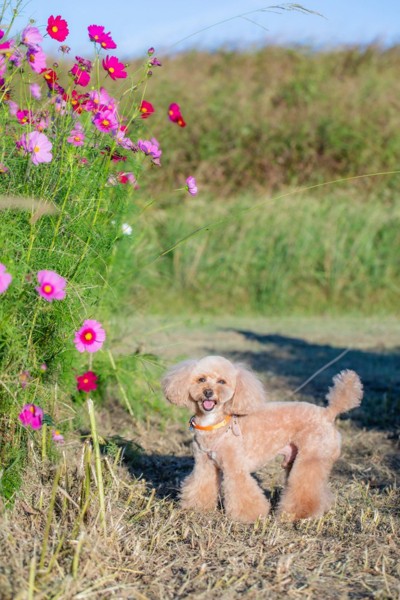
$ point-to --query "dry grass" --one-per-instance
(154, 550)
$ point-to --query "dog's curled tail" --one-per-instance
(345, 394)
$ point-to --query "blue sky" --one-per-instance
(165, 24)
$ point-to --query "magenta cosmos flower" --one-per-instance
(51, 285)
(90, 336)
(105, 121)
(175, 115)
(99, 36)
(38, 145)
(146, 108)
(57, 28)
(87, 382)
(191, 186)
(31, 416)
(5, 278)
(114, 68)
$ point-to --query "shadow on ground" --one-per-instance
(296, 360)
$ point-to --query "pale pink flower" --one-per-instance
(90, 336)
(35, 91)
(38, 145)
(51, 285)
(36, 59)
(77, 136)
(31, 37)
(191, 186)
(57, 436)
(5, 278)
(31, 415)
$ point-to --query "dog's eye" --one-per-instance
(222, 381)
(201, 379)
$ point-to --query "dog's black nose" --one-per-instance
(208, 393)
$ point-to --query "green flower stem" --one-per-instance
(99, 472)
(44, 442)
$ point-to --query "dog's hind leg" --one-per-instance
(307, 493)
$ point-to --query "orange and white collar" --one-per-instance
(194, 425)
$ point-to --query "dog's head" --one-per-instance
(213, 384)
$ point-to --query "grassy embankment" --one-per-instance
(261, 125)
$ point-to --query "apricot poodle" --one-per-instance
(236, 432)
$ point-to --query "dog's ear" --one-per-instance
(175, 383)
(249, 393)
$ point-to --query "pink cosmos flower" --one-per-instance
(95, 33)
(38, 145)
(105, 121)
(57, 28)
(107, 42)
(175, 115)
(31, 37)
(191, 186)
(3, 169)
(146, 108)
(87, 382)
(5, 278)
(57, 436)
(7, 45)
(36, 59)
(35, 91)
(151, 148)
(31, 415)
(42, 123)
(80, 77)
(13, 108)
(51, 285)
(77, 136)
(90, 336)
(24, 116)
(98, 35)
(114, 68)
(123, 177)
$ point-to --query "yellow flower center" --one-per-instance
(56, 432)
(47, 288)
(32, 57)
(143, 109)
(111, 69)
(36, 149)
(103, 44)
(86, 380)
(105, 122)
(96, 37)
(32, 409)
(54, 29)
(77, 138)
(88, 336)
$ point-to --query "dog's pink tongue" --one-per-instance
(208, 404)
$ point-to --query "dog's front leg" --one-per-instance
(243, 498)
(200, 489)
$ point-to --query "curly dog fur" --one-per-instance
(225, 456)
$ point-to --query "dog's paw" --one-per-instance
(249, 512)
